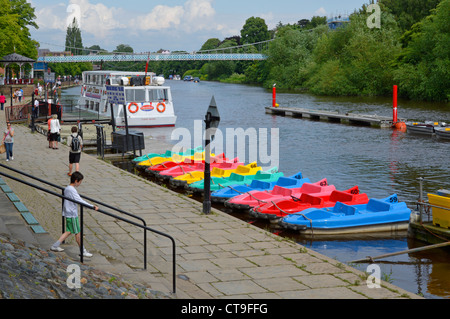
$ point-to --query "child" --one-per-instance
(70, 211)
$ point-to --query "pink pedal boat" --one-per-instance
(257, 198)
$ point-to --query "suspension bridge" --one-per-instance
(237, 53)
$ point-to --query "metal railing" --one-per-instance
(144, 226)
(424, 207)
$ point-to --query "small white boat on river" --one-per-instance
(115, 94)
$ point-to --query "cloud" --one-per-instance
(49, 17)
(320, 12)
(192, 16)
(165, 25)
(96, 19)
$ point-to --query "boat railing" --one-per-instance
(424, 207)
(143, 226)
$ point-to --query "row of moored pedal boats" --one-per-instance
(294, 202)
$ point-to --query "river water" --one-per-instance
(380, 161)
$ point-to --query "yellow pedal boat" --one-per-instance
(249, 169)
(174, 158)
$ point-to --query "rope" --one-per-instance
(235, 190)
(298, 213)
(259, 200)
(182, 168)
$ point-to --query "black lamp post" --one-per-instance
(212, 119)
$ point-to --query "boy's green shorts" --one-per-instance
(73, 225)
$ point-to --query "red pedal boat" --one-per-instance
(276, 209)
(257, 198)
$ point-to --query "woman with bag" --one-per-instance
(8, 139)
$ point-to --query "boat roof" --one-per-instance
(118, 72)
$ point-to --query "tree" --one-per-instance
(303, 23)
(317, 20)
(408, 12)
(289, 55)
(124, 48)
(74, 43)
(254, 30)
(210, 44)
(424, 64)
(15, 18)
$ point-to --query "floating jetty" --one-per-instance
(336, 117)
(332, 116)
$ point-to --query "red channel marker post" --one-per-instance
(274, 96)
(394, 115)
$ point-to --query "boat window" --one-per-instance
(135, 95)
(97, 106)
(158, 94)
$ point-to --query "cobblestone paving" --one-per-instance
(30, 272)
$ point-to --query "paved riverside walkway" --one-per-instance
(218, 256)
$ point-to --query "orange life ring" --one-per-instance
(163, 107)
(135, 110)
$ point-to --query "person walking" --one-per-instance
(70, 212)
(55, 129)
(2, 100)
(75, 143)
(36, 108)
(8, 139)
(20, 94)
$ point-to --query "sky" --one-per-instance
(151, 25)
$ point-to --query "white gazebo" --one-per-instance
(20, 60)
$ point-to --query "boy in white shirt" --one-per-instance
(70, 212)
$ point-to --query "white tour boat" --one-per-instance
(143, 98)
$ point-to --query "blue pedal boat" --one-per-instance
(230, 191)
(378, 215)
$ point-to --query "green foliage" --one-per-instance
(254, 30)
(210, 44)
(15, 18)
(235, 78)
(408, 12)
(70, 68)
(74, 42)
(424, 66)
(289, 54)
(124, 48)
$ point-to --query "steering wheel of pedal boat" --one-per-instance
(131, 110)
(161, 107)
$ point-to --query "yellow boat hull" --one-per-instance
(174, 158)
(249, 169)
(441, 216)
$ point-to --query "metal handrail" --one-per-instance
(100, 211)
(89, 199)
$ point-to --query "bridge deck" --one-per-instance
(154, 57)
